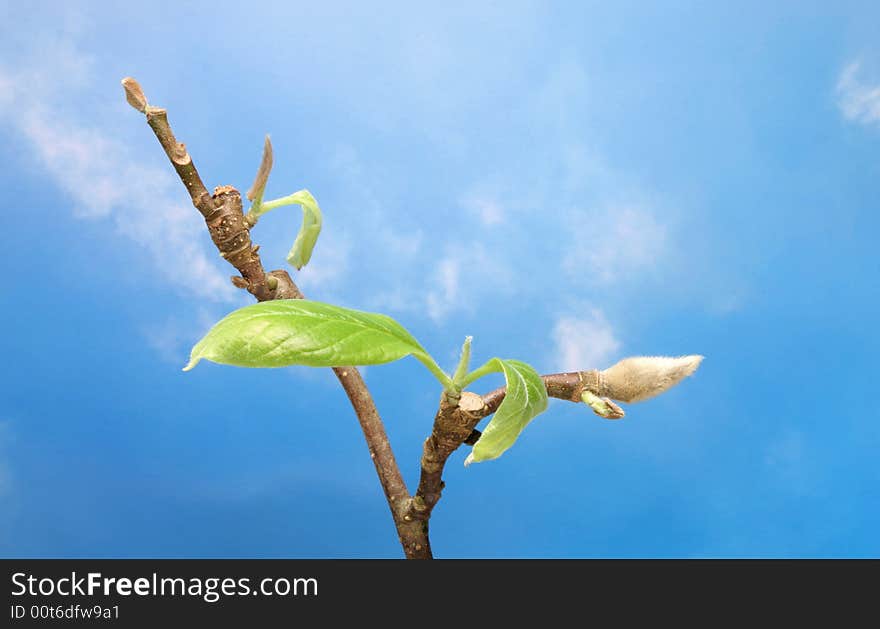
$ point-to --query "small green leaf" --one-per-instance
(287, 332)
(526, 398)
(301, 252)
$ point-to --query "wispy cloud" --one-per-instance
(859, 101)
(558, 215)
(173, 337)
(404, 266)
(330, 263)
(462, 276)
(614, 244)
(445, 294)
(368, 250)
(96, 172)
(586, 341)
(577, 219)
(486, 208)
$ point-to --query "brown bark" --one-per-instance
(230, 233)
(564, 386)
(455, 424)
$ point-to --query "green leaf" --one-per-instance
(526, 398)
(301, 252)
(309, 230)
(287, 332)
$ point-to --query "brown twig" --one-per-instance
(231, 235)
(564, 386)
(455, 424)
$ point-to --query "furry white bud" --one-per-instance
(643, 377)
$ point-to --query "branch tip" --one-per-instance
(134, 94)
(223, 214)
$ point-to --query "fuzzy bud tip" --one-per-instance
(134, 94)
(643, 377)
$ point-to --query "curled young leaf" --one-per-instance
(526, 398)
(309, 230)
(301, 251)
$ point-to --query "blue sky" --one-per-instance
(570, 183)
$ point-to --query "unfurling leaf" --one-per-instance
(526, 398)
(287, 332)
(301, 252)
(642, 377)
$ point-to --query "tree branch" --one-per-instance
(455, 424)
(231, 235)
(564, 386)
(630, 380)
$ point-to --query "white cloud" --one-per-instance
(401, 244)
(858, 101)
(404, 265)
(97, 174)
(576, 220)
(488, 209)
(584, 342)
(329, 264)
(556, 215)
(462, 277)
(173, 338)
(614, 244)
(444, 295)
(362, 224)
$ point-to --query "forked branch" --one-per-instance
(455, 422)
(231, 235)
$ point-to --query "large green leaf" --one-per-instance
(526, 398)
(299, 332)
